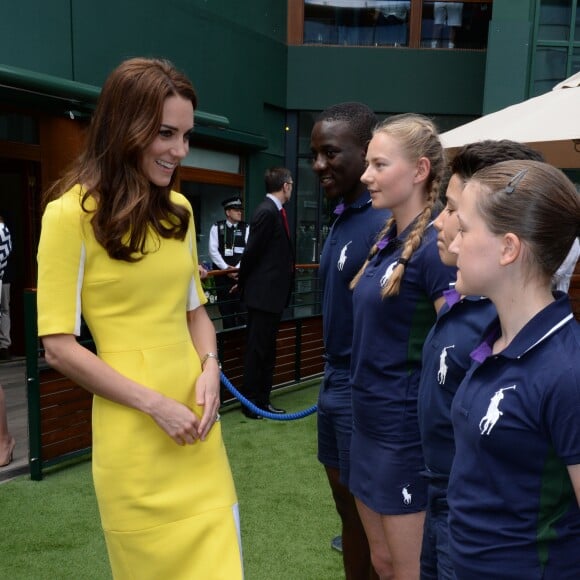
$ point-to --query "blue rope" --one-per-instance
(247, 403)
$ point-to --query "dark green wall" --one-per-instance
(512, 9)
(388, 80)
(235, 54)
(508, 54)
(36, 35)
(267, 18)
(234, 69)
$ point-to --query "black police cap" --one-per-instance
(232, 203)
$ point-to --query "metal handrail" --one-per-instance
(299, 268)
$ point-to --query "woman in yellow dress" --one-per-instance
(118, 246)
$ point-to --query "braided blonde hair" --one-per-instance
(417, 136)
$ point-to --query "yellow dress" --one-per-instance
(169, 512)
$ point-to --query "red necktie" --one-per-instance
(285, 220)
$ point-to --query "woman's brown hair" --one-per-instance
(126, 120)
(417, 136)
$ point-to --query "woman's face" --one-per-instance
(389, 176)
(161, 158)
(478, 250)
(446, 224)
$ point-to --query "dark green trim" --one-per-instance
(556, 498)
(224, 135)
(47, 85)
(78, 94)
(214, 128)
(424, 317)
(33, 386)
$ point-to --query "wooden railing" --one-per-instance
(59, 411)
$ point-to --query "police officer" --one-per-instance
(227, 241)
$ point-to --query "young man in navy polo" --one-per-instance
(338, 143)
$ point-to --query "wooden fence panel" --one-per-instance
(60, 410)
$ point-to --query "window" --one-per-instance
(390, 23)
(206, 178)
(356, 23)
(455, 24)
(557, 44)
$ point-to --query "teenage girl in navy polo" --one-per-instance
(396, 295)
(515, 482)
(458, 330)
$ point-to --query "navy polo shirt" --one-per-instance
(516, 416)
(458, 330)
(389, 333)
(348, 244)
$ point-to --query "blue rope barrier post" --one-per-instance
(257, 410)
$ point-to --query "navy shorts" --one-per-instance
(435, 557)
(335, 421)
(386, 474)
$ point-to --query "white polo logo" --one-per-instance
(407, 497)
(442, 372)
(342, 260)
(388, 272)
(493, 414)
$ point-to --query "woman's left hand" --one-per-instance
(207, 386)
(207, 395)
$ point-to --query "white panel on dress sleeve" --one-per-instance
(193, 301)
(192, 296)
(80, 278)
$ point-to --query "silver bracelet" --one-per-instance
(211, 355)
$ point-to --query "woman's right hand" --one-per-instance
(64, 353)
(177, 420)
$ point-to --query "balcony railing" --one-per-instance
(59, 411)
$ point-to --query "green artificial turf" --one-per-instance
(51, 529)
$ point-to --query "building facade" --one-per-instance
(262, 70)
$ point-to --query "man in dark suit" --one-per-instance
(265, 281)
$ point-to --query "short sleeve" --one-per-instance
(436, 275)
(195, 296)
(61, 257)
(561, 411)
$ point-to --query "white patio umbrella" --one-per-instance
(549, 123)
